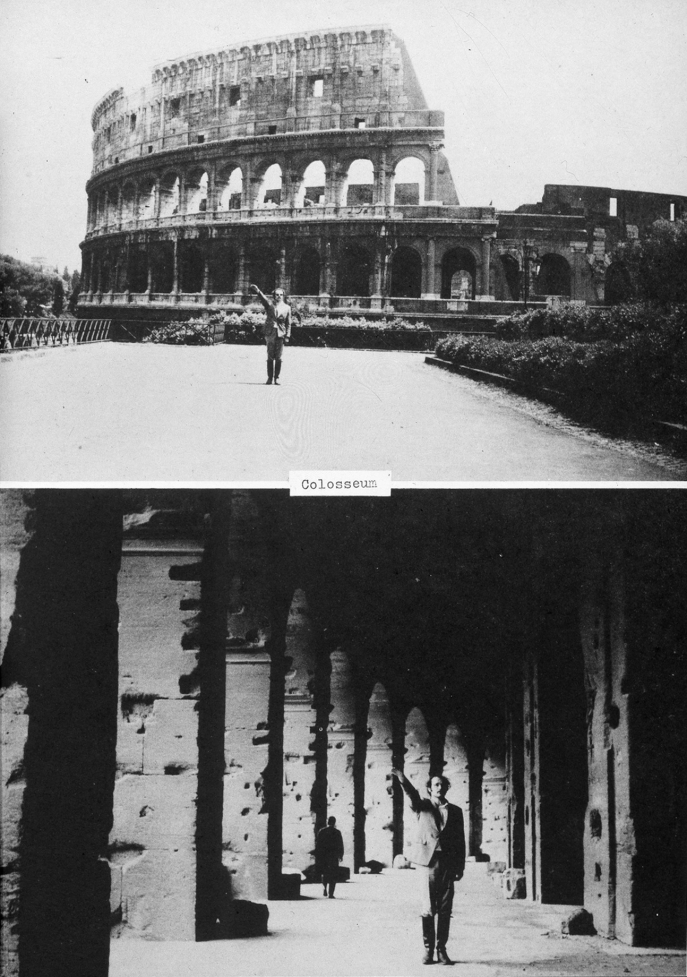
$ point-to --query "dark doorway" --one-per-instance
(137, 271)
(406, 273)
(618, 287)
(162, 262)
(191, 266)
(354, 271)
(554, 276)
(507, 287)
(307, 277)
(263, 268)
(223, 270)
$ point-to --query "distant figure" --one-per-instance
(276, 331)
(329, 850)
(439, 858)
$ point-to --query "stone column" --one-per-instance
(474, 827)
(430, 271)
(456, 769)
(241, 281)
(434, 149)
(206, 275)
(341, 737)
(282, 276)
(175, 280)
(532, 769)
(299, 755)
(381, 196)
(325, 257)
(376, 298)
(484, 268)
(495, 801)
(158, 199)
(61, 554)
(379, 834)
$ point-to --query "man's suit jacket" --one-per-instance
(429, 831)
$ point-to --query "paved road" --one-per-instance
(141, 412)
(372, 927)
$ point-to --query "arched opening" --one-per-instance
(137, 271)
(161, 257)
(359, 184)
(146, 200)
(617, 284)
(230, 188)
(191, 267)
(456, 769)
(379, 842)
(112, 198)
(506, 278)
(354, 271)
(169, 195)
(406, 273)
(416, 767)
(128, 202)
(554, 276)
(269, 194)
(408, 182)
(307, 272)
(223, 269)
(311, 192)
(263, 263)
(458, 272)
(197, 192)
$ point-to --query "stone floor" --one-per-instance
(372, 928)
(116, 412)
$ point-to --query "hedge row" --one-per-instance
(307, 330)
(586, 323)
(645, 373)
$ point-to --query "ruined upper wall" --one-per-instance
(361, 77)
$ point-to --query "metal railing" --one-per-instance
(34, 333)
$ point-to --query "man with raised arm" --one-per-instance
(276, 331)
(439, 857)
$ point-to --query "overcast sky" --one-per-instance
(534, 91)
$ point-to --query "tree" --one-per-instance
(655, 269)
(58, 297)
(33, 287)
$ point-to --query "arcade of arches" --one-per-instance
(195, 680)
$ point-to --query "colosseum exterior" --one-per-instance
(313, 162)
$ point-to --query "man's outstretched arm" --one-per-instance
(254, 290)
(409, 790)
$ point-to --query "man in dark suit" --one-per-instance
(329, 850)
(439, 855)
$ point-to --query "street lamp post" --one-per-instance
(530, 257)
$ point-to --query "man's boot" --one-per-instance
(270, 370)
(277, 370)
(443, 924)
(428, 938)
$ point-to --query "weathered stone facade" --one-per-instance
(313, 162)
(278, 656)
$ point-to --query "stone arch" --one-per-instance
(146, 199)
(340, 758)
(230, 188)
(311, 192)
(306, 280)
(170, 187)
(223, 268)
(197, 191)
(554, 275)
(416, 767)
(458, 264)
(270, 190)
(406, 273)
(129, 201)
(358, 185)
(408, 182)
(355, 267)
(262, 263)
(378, 794)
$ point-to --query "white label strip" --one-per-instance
(316, 483)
